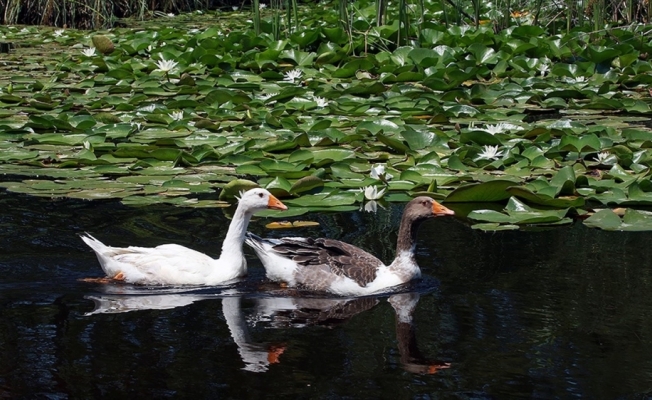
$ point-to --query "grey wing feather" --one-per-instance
(342, 258)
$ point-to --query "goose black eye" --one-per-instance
(260, 195)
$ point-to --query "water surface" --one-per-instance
(554, 313)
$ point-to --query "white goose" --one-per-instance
(172, 264)
(343, 269)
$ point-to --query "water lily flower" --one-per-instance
(603, 157)
(321, 102)
(176, 115)
(165, 65)
(372, 193)
(262, 6)
(59, 32)
(234, 8)
(378, 172)
(89, 52)
(170, 15)
(138, 125)
(501, 127)
(149, 108)
(543, 69)
(292, 75)
(490, 153)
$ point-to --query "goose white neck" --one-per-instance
(232, 246)
(405, 265)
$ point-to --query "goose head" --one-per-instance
(259, 199)
(424, 207)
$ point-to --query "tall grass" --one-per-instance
(285, 17)
(88, 14)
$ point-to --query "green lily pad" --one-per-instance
(494, 190)
(233, 188)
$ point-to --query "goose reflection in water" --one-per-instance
(279, 312)
(256, 356)
(411, 358)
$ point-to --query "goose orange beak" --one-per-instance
(440, 210)
(275, 204)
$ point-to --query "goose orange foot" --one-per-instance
(120, 276)
(274, 353)
(96, 280)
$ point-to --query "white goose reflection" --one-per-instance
(256, 356)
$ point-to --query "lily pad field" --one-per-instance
(510, 128)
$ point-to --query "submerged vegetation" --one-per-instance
(510, 123)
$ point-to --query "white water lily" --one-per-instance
(501, 127)
(170, 15)
(59, 32)
(176, 115)
(149, 108)
(378, 172)
(262, 6)
(234, 8)
(372, 193)
(292, 75)
(138, 125)
(543, 69)
(321, 102)
(603, 157)
(490, 153)
(89, 52)
(165, 65)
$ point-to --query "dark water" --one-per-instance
(558, 313)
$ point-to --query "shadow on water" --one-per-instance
(553, 313)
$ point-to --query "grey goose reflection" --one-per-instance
(341, 268)
(412, 360)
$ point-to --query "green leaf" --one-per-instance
(233, 188)
(543, 200)
(495, 190)
(604, 219)
(323, 200)
(279, 187)
(306, 184)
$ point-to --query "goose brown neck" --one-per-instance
(407, 232)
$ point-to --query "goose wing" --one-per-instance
(340, 258)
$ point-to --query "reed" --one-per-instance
(256, 10)
(284, 15)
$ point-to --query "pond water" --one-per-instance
(550, 313)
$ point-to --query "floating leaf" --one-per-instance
(306, 184)
(289, 225)
(495, 190)
(233, 188)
